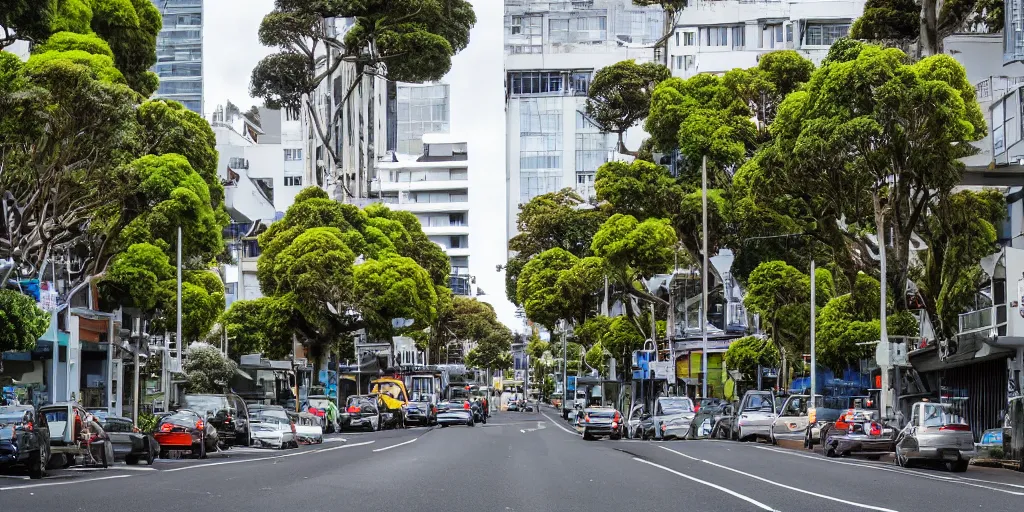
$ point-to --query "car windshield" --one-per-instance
(391, 389)
(675, 405)
(206, 405)
(359, 401)
(14, 415)
(939, 415)
(758, 402)
(57, 420)
(117, 425)
(320, 403)
(601, 413)
(271, 416)
(180, 418)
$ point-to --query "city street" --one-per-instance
(516, 462)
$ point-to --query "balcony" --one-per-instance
(982, 320)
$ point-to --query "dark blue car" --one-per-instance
(24, 440)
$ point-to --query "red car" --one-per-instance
(185, 430)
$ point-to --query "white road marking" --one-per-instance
(335, 440)
(784, 486)
(63, 482)
(223, 463)
(747, 499)
(413, 440)
(559, 426)
(993, 482)
(540, 426)
(898, 470)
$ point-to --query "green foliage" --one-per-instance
(260, 326)
(130, 27)
(392, 288)
(72, 41)
(641, 189)
(493, 352)
(536, 287)
(595, 358)
(147, 422)
(99, 67)
(637, 248)
(746, 354)
(135, 277)
(202, 302)
(206, 369)
(548, 221)
(25, 19)
(21, 321)
(620, 95)
(885, 20)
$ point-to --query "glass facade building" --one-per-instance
(419, 109)
(179, 51)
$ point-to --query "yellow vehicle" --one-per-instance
(393, 396)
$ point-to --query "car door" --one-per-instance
(906, 442)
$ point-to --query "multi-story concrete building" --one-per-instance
(716, 36)
(552, 50)
(261, 166)
(357, 128)
(435, 187)
(179, 53)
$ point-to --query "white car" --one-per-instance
(308, 429)
(270, 427)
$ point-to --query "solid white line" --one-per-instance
(993, 482)
(897, 470)
(679, 453)
(413, 440)
(65, 482)
(747, 499)
(559, 426)
(224, 463)
(523, 431)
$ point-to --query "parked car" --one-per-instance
(324, 407)
(308, 427)
(633, 421)
(936, 433)
(792, 423)
(600, 422)
(701, 403)
(860, 431)
(185, 430)
(707, 418)
(757, 412)
(130, 444)
(361, 412)
(271, 427)
(421, 410)
(227, 412)
(725, 424)
(24, 440)
(479, 415)
(76, 437)
(671, 419)
(393, 398)
(455, 412)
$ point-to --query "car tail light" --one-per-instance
(28, 426)
(876, 429)
(200, 425)
(166, 427)
(696, 408)
(353, 410)
(227, 419)
(956, 428)
(293, 428)
(586, 419)
(465, 406)
(617, 418)
(433, 409)
(615, 424)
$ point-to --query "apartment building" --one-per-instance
(262, 168)
(435, 187)
(415, 110)
(716, 36)
(179, 51)
(552, 50)
(358, 131)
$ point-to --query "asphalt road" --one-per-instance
(517, 462)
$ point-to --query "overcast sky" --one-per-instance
(232, 49)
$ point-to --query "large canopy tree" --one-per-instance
(400, 40)
(21, 321)
(620, 96)
(920, 26)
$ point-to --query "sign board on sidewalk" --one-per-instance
(520, 375)
(664, 370)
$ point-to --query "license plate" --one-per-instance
(177, 454)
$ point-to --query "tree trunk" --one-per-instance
(622, 146)
(929, 43)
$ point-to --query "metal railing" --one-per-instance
(981, 319)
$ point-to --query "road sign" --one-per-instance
(520, 375)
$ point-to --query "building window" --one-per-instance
(536, 82)
(591, 151)
(558, 31)
(689, 63)
(677, 62)
(998, 135)
(824, 34)
(457, 219)
(292, 155)
(789, 32)
(738, 37)
(581, 82)
(455, 242)
(715, 36)
(771, 36)
(689, 38)
(677, 38)
(293, 181)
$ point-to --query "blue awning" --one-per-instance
(51, 336)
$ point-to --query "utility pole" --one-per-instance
(137, 323)
(704, 280)
(885, 362)
(565, 371)
(814, 371)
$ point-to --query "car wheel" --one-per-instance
(959, 466)
(587, 436)
(830, 449)
(444, 426)
(37, 468)
(771, 438)
(807, 440)
(104, 461)
(202, 448)
(739, 435)
(150, 454)
(131, 460)
(164, 454)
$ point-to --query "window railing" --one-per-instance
(982, 319)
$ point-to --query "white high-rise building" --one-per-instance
(552, 50)
(717, 36)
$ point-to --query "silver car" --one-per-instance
(757, 412)
(936, 433)
(672, 418)
(791, 424)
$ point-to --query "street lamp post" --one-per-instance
(704, 280)
(813, 369)
(565, 371)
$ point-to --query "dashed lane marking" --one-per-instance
(784, 486)
(413, 440)
(730, 492)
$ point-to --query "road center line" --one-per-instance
(275, 457)
(413, 440)
(747, 499)
(899, 471)
(679, 453)
(559, 426)
(65, 482)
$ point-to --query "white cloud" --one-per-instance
(231, 49)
